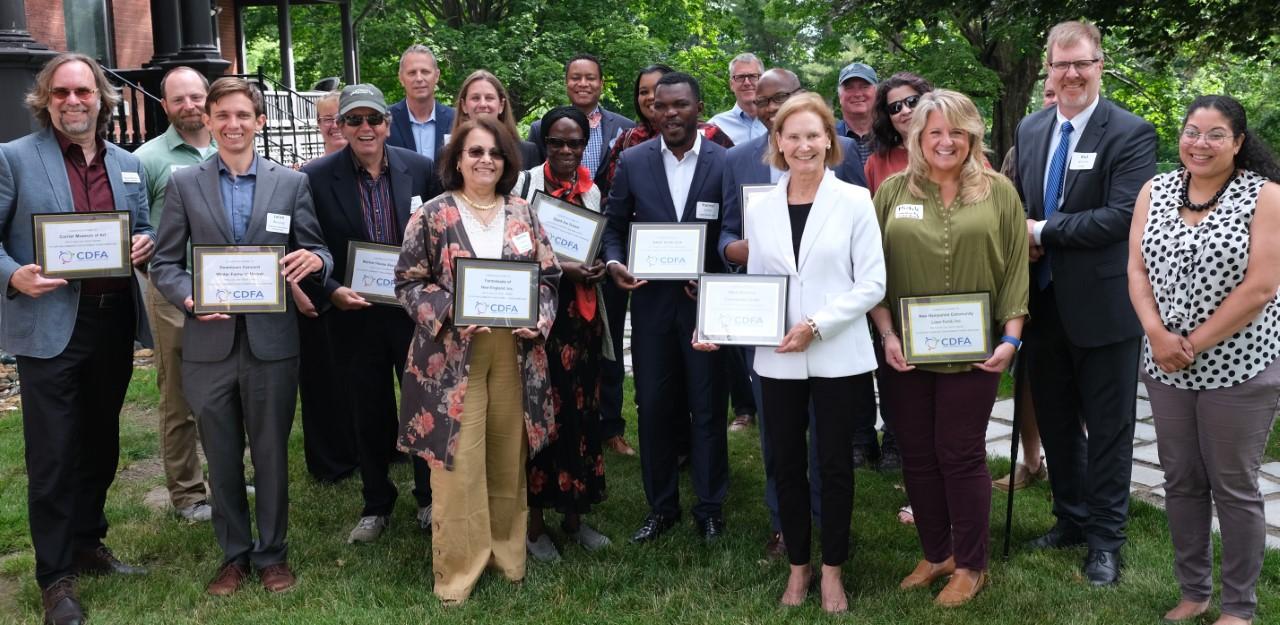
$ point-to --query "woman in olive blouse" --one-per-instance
(950, 225)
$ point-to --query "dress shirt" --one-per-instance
(164, 155)
(375, 204)
(738, 125)
(1078, 124)
(237, 196)
(424, 132)
(595, 141)
(680, 172)
(486, 241)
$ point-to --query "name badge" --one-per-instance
(522, 242)
(1083, 160)
(130, 176)
(909, 211)
(415, 203)
(278, 223)
(707, 210)
(174, 168)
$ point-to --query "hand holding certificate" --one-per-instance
(84, 245)
(574, 230)
(495, 293)
(740, 309)
(371, 271)
(666, 251)
(942, 329)
(231, 279)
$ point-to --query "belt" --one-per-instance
(105, 300)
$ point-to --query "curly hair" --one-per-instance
(888, 137)
(1254, 155)
(960, 112)
(38, 98)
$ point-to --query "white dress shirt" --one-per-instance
(680, 172)
(738, 125)
(1078, 124)
(486, 241)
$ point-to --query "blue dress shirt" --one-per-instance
(237, 196)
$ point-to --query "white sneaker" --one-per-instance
(542, 550)
(198, 512)
(589, 538)
(424, 518)
(368, 529)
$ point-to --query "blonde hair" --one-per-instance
(1070, 33)
(506, 117)
(331, 97)
(806, 102)
(38, 98)
(959, 111)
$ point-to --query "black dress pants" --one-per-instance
(328, 438)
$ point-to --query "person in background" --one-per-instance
(895, 99)
(419, 122)
(584, 82)
(483, 94)
(741, 122)
(857, 95)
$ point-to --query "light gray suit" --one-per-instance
(240, 375)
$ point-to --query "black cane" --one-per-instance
(1018, 380)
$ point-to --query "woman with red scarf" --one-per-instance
(568, 475)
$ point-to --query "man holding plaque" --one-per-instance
(73, 337)
(364, 194)
(240, 371)
(674, 179)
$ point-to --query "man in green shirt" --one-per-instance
(185, 143)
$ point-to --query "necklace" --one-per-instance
(1213, 201)
(478, 206)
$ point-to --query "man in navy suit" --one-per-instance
(418, 122)
(584, 81)
(674, 178)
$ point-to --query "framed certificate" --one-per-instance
(574, 230)
(946, 328)
(742, 309)
(371, 271)
(496, 293)
(84, 245)
(232, 279)
(667, 251)
(752, 193)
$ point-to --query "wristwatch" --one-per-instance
(1012, 340)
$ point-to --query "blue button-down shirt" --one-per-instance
(237, 196)
(738, 125)
(424, 133)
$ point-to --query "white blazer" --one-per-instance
(839, 277)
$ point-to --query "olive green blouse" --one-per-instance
(967, 248)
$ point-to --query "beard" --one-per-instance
(78, 126)
(186, 123)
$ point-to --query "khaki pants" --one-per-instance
(481, 513)
(182, 472)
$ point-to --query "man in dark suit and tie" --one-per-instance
(1080, 167)
(584, 81)
(674, 178)
(366, 192)
(418, 122)
(240, 372)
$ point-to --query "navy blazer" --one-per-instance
(335, 191)
(611, 125)
(640, 194)
(745, 165)
(402, 131)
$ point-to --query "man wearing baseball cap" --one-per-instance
(367, 192)
(857, 91)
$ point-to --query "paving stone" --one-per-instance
(1267, 486)
(998, 430)
(1158, 492)
(998, 449)
(1273, 513)
(1151, 478)
(1144, 432)
(1272, 469)
(1147, 453)
(1144, 410)
(1003, 410)
(1273, 542)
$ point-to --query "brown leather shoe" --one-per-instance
(775, 548)
(228, 580)
(926, 573)
(61, 605)
(960, 590)
(277, 577)
(620, 446)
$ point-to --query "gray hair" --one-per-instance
(332, 96)
(416, 48)
(745, 57)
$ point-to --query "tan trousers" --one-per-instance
(178, 439)
(481, 513)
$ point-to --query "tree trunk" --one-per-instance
(1018, 74)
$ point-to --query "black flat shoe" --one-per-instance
(1102, 568)
(653, 527)
(712, 529)
(100, 561)
(1058, 537)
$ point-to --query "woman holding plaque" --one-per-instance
(822, 233)
(951, 226)
(568, 476)
(483, 94)
(475, 400)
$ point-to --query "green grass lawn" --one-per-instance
(676, 580)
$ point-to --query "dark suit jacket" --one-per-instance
(611, 125)
(402, 131)
(745, 164)
(640, 194)
(1087, 238)
(337, 201)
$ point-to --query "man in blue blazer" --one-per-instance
(674, 178)
(418, 122)
(73, 338)
(584, 81)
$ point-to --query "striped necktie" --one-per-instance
(1057, 175)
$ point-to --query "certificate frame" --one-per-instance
(274, 296)
(748, 192)
(39, 221)
(707, 308)
(692, 273)
(921, 345)
(354, 249)
(462, 318)
(542, 199)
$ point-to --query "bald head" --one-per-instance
(777, 82)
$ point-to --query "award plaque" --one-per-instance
(574, 230)
(83, 245)
(495, 293)
(750, 195)
(666, 251)
(371, 271)
(232, 279)
(940, 329)
(742, 309)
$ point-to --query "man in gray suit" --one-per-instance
(240, 372)
(73, 338)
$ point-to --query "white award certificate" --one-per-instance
(237, 279)
(742, 309)
(83, 245)
(499, 293)
(750, 196)
(371, 271)
(666, 251)
(946, 328)
(574, 230)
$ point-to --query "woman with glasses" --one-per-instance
(895, 100)
(483, 94)
(1204, 266)
(476, 401)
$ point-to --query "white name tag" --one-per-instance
(1083, 160)
(278, 223)
(130, 176)
(707, 210)
(522, 242)
(415, 203)
(174, 168)
(909, 211)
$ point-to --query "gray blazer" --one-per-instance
(193, 213)
(33, 179)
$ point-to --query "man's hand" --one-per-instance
(191, 306)
(299, 264)
(1031, 233)
(302, 301)
(1035, 253)
(346, 299)
(582, 274)
(623, 278)
(691, 289)
(29, 280)
(737, 252)
(143, 248)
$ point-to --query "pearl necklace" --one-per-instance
(478, 206)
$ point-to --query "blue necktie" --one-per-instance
(1057, 175)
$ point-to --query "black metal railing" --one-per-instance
(291, 135)
(139, 116)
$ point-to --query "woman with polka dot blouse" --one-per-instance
(1204, 267)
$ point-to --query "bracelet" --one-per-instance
(813, 327)
(888, 333)
(1012, 340)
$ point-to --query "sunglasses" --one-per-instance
(556, 143)
(907, 102)
(82, 93)
(478, 153)
(374, 119)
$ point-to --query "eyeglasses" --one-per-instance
(777, 98)
(82, 93)
(374, 119)
(1081, 66)
(745, 77)
(556, 143)
(1213, 137)
(908, 102)
(478, 153)
(327, 120)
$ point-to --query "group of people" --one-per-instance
(1082, 250)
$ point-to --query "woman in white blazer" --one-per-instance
(822, 233)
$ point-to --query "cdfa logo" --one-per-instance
(222, 295)
(931, 343)
(65, 256)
